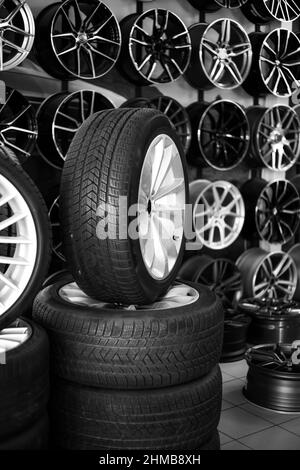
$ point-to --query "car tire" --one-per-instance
(33, 438)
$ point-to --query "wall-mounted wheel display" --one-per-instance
(236, 327)
(294, 252)
(275, 136)
(219, 275)
(18, 126)
(221, 55)
(273, 379)
(221, 132)
(267, 275)
(272, 208)
(17, 32)
(218, 213)
(273, 320)
(275, 66)
(77, 39)
(214, 5)
(56, 230)
(264, 11)
(156, 47)
(59, 118)
(176, 113)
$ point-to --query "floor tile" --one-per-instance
(226, 377)
(224, 439)
(233, 392)
(235, 369)
(238, 423)
(275, 438)
(293, 426)
(268, 415)
(226, 405)
(234, 445)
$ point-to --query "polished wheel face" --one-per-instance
(218, 214)
(278, 138)
(278, 212)
(178, 295)
(18, 126)
(16, 33)
(225, 54)
(86, 38)
(161, 207)
(279, 62)
(56, 230)
(159, 46)
(224, 135)
(12, 337)
(18, 244)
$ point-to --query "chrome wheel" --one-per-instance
(156, 49)
(18, 244)
(178, 295)
(18, 126)
(269, 10)
(275, 136)
(267, 275)
(80, 39)
(59, 118)
(218, 213)
(221, 55)
(12, 337)
(161, 207)
(56, 230)
(223, 135)
(274, 208)
(16, 33)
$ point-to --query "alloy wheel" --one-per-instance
(262, 12)
(11, 338)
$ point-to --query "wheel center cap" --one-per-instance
(277, 62)
(82, 38)
(277, 136)
(223, 55)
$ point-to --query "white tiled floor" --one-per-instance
(244, 426)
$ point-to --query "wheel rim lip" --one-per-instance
(258, 228)
(199, 132)
(184, 289)
(178, 169)
(277, 18)
(241, 216)
(249, 60)
(108, 69)
(260, 124)
(19, 326)
(271, 372)
(144, 14)
(20, 57)
(56, 205)
(291, 34)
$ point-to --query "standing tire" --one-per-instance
(176, 340)
(115, 154)
(182, 417)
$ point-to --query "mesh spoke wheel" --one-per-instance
(274, 208)
(261, 12)
(276, 65)
(273, 379)
(275, 136)
(11, 338)
(18, 127)
(221, 55)
(218, 213)
(16, 33)
(267, 275)
(56, 230)
(156, 47)
(220, 275)
(59, 118)
(78, 39)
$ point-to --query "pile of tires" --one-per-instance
(134, 354)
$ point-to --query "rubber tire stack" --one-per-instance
(141, 378)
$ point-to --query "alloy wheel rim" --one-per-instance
(268, 307)
(275, 277)
(85, 38)
(13, 337)
(161, 207)
(159, 55)
(18, 244)
(283, 10)
(56, 229)
(274, 357)
(178, 295)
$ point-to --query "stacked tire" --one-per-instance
(134, 354)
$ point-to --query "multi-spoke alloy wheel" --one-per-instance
(264, 11)
(213, 5)
(18, 127)
(276, 65)
(267, 275)
(156, 47)
(294, 252)
(273, 320)
(273, 379)
(218, 213)
(59, 118)
(16, 32)
(12, 337)
(273, 208)
(221, 55)
(56, 230)
(78, 39)
(161, 206)
(275, 133)
(220, 275)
